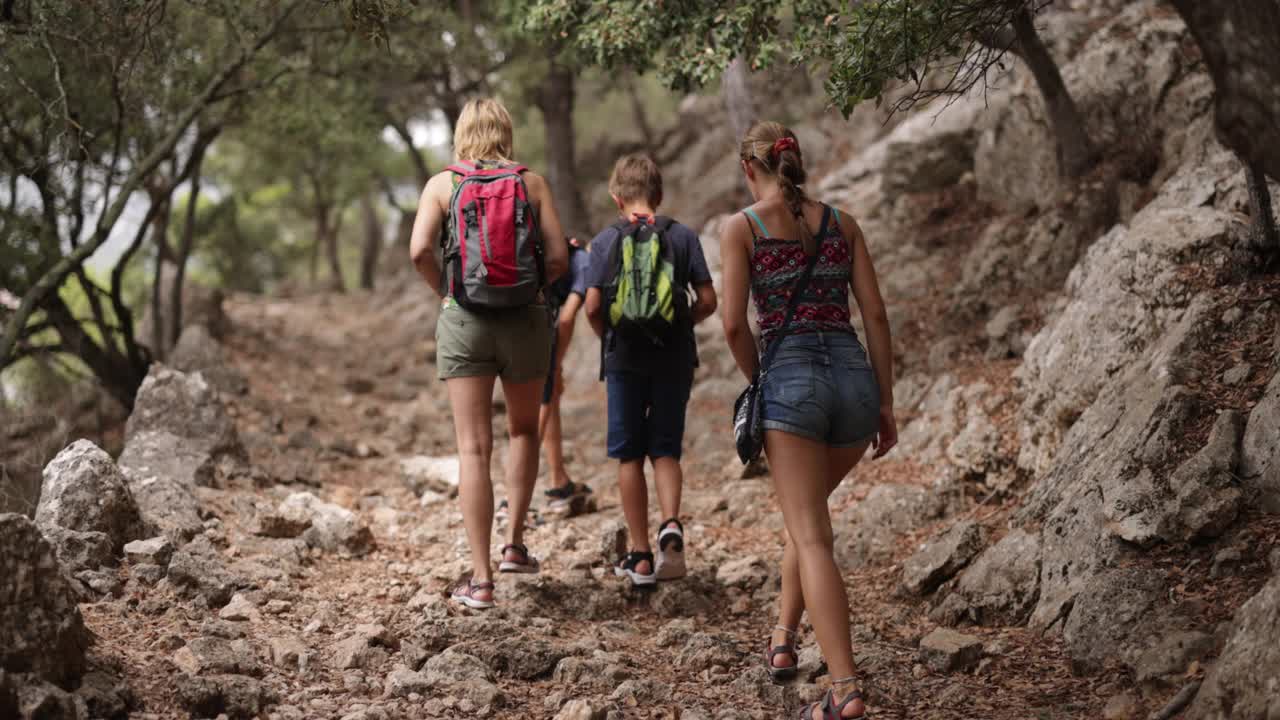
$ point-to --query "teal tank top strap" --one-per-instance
(752, 214)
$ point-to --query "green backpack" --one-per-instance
(641, 287)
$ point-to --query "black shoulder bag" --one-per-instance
(748, 434)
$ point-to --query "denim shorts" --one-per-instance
(646, 414)
(821, 386)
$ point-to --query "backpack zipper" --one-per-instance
(487, 252)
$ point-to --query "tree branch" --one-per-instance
(54, 277)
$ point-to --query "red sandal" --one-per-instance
(465, 594)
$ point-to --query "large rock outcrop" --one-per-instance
(1123, 296)
(1130, 78)
(84, 491)
(1245, 682)
(41, 630)
(1260, 451)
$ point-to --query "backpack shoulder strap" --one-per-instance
(461, 168)
(663, 223)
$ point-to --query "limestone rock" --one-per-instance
(1245, 682)
(77, 551)
(945, 650)
(1125, 306)
(41, 629)
(749, 572)
(198, 351)
(236, 696)
(402, 682)
(154, 551)
(286, 521)
(521, 657)
(198, 569)
(84, 491)
(1002, 584)
(869, 531)
(1260, 452)
(582, 709)
(206, 655)
(424, 473)
(1205, 497)
(1109, 611)
(179, 436)
(289, 653)
(452, 665)
(239, 609)
(42, 700)
(168, 505)
(333, 528)
(942, 557)
(1171, 655)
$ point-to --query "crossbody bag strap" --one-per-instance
(802, 284)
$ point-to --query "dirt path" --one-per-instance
(340, 392)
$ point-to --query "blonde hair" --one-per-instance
(483, 132)
(786, 165)
(636, 177)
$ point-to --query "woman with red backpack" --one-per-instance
(501, 242)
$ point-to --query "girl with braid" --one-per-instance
(825, 400)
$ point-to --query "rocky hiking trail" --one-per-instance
(1081, 520)
(350, 618)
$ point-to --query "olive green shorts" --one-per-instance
(512, 344)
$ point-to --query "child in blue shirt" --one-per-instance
(648, 382)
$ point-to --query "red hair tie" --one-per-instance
(783, 144)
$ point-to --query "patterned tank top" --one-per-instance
(776, 265)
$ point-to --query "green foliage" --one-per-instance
(863, 45)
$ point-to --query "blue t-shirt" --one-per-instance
(690, 267)
(573, 281)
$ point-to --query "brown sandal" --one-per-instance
(830, 709)
(786, 672)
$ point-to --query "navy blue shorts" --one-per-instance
(821, 387)
(646, 415)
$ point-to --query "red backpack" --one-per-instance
(493, 251)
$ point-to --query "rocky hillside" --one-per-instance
(1081, 519)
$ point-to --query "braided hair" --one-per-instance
(777, 149)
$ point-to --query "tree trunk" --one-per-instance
(119, 377)
(160, 236)
(328, 231)
(372, 242)
(1073, 147)
(642, 118)
(1240, 41)
(556, 100)
(738, 103)
(184, 253)
(1265, 235)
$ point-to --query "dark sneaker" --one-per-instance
(563, 499)
(671, 550)
(628, 569)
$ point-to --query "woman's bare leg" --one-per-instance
(791, 601)
(523, 401)
(552, 443)
(801, 478)
(471, 399)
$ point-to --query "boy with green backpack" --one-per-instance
(643, 270)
